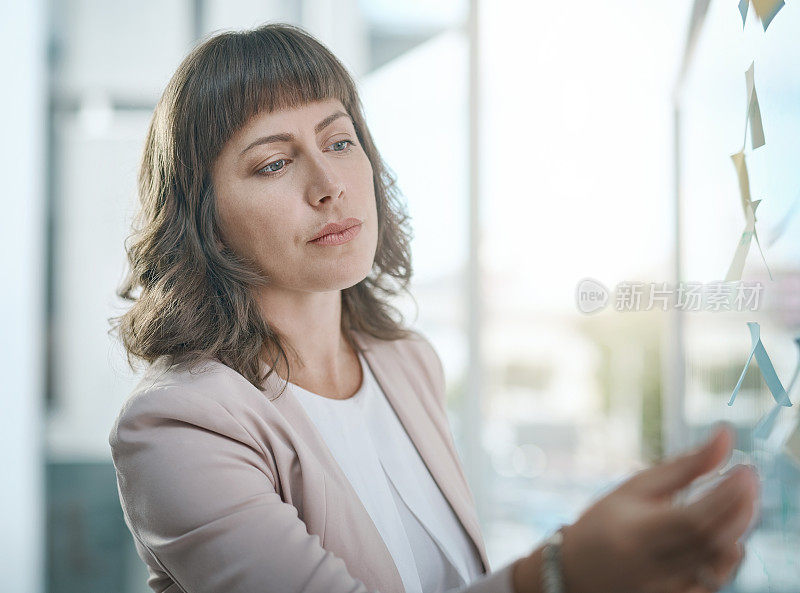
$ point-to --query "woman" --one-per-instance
(290, 433)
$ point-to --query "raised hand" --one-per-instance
(635, 540)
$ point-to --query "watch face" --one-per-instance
(555, 538)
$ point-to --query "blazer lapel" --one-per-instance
(350, 531)
(399, 386)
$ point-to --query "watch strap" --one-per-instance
(552, 573)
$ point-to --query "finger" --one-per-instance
(734, 527)
(726, 566)
(672, 533)
(721, 569)
(687, 537)
(670, 476)
(738, 488)
(717, 574)
(717, 520)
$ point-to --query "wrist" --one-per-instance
(569, 570)
(527, 573)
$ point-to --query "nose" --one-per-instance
(324, 182)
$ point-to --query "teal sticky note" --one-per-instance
(796, 368)
(765, 366)
(764, 427)
(741, 377)
(743, 5)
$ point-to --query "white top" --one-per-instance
(432, 551)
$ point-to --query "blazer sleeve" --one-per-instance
(197, 492)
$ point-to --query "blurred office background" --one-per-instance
(537, 145)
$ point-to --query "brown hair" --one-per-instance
(194, 300)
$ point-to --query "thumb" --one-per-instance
(672, 475)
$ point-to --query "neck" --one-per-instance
(309, 326)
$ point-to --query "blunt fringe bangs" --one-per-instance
(191, 296)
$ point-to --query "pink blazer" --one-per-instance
(225, 491)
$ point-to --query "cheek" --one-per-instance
(228, 223)
(255, 228)
(367, 166)
(365, 183)
(272, 230)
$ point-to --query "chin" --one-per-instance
(339, 277)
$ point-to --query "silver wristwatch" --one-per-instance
(552, 573)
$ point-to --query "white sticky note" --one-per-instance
(753, 109)
(737, 265)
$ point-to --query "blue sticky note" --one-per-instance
(741, 377)
(796, 368)
(764, 427)
(743, 5)
(765, 366)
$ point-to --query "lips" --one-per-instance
(336, 227)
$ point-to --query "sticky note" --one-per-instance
(764, 427)
(744, 178)
(765, 366)
(743, 4)
(753, 110)
(734, 273)
(796, 368)
(766, 10)
(792, 446)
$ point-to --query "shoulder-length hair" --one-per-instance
(192, 297)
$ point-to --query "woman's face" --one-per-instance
(283, 177)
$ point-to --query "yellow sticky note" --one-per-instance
(744, 178)
(766, 10)
(737, 265)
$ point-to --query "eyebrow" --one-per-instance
(286, 137)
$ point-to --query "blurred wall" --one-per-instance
(22, 169)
